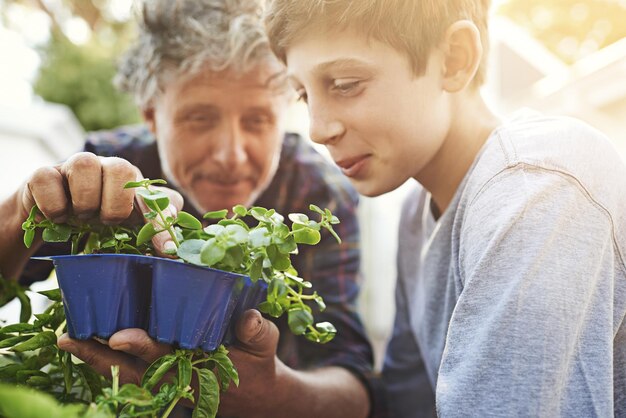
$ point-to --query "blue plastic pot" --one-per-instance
(177, 303)
(251, 296)
(191, 305)
(104, 293)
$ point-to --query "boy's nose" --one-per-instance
(324, 128)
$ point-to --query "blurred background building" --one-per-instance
(57, 59)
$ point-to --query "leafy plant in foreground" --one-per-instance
(32, 359)
(255, 242)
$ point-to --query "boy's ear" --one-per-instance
(149, 118)
(463, 52)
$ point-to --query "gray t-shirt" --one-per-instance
(511, 303)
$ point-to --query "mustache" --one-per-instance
(223, 177)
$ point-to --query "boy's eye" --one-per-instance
(346, 87)
(301, 95)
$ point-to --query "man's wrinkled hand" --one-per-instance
(92, 189)
(254, 357)
(86, 186)
(131, 349)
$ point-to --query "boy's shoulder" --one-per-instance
(554, 144)
(558, 142)
(562, 154)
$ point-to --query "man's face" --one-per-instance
(219, 135)
(380, 122)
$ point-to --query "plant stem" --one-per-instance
(59, 330)
(171, 407)
(167, 226)
(300, 296)
(75, 240)
(115, 387)
(115, 380)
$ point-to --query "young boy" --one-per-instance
(512, 283)
(214, 99)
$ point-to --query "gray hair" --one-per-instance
(182, 37)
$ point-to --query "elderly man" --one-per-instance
(214, 99)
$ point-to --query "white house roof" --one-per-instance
(52, 125)
(32, 137)
(523, 72)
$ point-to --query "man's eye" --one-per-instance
(200, 118)
(256, 122)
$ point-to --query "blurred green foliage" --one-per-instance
(78, 72)
(571, 29)
(80, 76)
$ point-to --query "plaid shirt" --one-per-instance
(303, 177)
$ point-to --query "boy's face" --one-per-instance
(380, 122)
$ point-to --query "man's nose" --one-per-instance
(325, 128)
(230, 150)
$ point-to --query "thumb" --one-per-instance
(176, 199)
(257, 335)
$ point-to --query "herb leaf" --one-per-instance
(186, 220)
(157, 370)
(218, 214)
(57, 233)
(184, 373)
(208, 394)
(299, 320)
(40, 340)
(146, 233)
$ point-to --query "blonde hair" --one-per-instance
(179, 38)
(412, 27)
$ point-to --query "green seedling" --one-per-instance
(94, 238)
(255, 242)
(157, 201)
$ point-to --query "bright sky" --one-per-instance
(15, 78)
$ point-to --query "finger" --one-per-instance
(117, 202)
(101, 358)
(138, 343)
(257, 335)
(46, 188)
(83, 172)
(163, 241)
(28, 201)
(176, 199)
